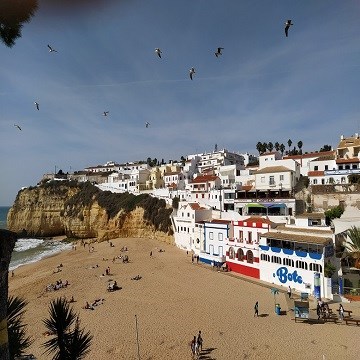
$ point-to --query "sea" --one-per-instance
(31, 250)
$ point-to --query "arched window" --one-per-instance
(231, 253)
(250, 257)
(240, 255)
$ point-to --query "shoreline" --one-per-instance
(173, 300)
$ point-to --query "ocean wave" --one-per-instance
(43, 249)
(26, 244)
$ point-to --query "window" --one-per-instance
(281, 177)
(250, 237)
(316, 267)
(240, 255)
(288, 262)
(250, 257)
(188, 214)
(241, 236)
(220, 236)
(231, 253)
(354, 166)
(276, 259)
(262, 179)
(258, 238)
(265, 257)
(271, 180)
(316, 168)
(211, 235)
(301, 265)
(340, 167)
(326, 167)
(315, 181)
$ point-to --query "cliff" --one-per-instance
(81, 210)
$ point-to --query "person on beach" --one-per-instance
(289, 292)
(199, 341)
(192, 346)
(192, 259)
(256, 308)
(150, 253)
(318, 310)
(341, 312)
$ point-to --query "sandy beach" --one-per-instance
(173, 300)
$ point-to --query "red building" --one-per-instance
(242, 251)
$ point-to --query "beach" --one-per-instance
(172, 301)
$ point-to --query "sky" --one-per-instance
(264, 87)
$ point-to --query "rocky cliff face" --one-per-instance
(79, 211)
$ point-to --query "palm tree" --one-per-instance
(300, 144)
(67, 344)
(282, 148)
(352, 247)
(277, 146)
(18, 341)
(289, 144)
(270, 146)
(259, 147)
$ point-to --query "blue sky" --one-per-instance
(265, 87)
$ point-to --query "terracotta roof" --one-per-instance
(204, 178)
(315, 173)
(273, 169)
(310, 155)
(297, 238)
(219, 221)
(246, 187)
(296, 229)
(312, 215)
(196, 206)
(258, 219)
(349, 142)
(347, 161)
(325, 157)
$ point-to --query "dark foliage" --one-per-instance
(18, 341)
(66, 343)
(13, 13)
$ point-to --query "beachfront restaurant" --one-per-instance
(296, 260)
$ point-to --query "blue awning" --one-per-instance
(278, 205)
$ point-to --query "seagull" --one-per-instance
(192, 72)
(147, 124)
(218, 52)
(288, 23)
(105, 113)
(17, 126)
(51, 49)
(158, 51)
(37, 105)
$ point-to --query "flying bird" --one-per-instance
(159, 52)
(192, 72)
(51, 49)
(288, 23)
(17, 126)
(147, 124)
(105, 113)
(37, 105)
(218, 52)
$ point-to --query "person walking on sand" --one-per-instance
(192, 346)
(341, 312)
(199, 341)
(289, 292)
(150, 253)
(256, 308)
